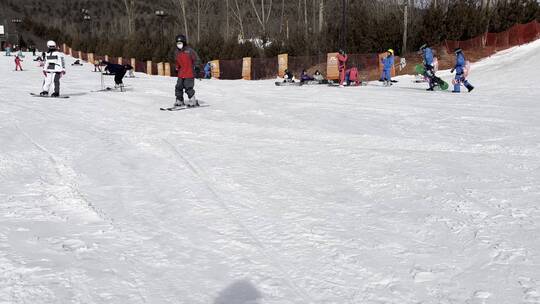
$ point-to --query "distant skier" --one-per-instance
(118, 70)
(460, 70)
(427, 55)
(342, 65)
(208, 70)
(53, 69)
(18, 65)
(388, 64)
(97, 66)
(187, 65)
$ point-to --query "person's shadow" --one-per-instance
(240, 292)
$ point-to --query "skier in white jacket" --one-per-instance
(53, 69)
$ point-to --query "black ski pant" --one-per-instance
(185, 84)
(119, 75)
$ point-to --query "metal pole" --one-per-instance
(343, 34)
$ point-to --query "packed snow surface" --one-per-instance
(272, 194)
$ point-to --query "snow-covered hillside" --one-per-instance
(272, 194)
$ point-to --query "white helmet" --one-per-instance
(51, 44)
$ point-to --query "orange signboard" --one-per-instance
(215, 68)
(246, 68)
(283, 64)
(332, 70)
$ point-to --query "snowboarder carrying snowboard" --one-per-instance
(388, 64)
(187, 66)
(427, 55)
(342, 65)
(53, 69)
(461, 76)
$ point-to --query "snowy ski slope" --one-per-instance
(272, 194)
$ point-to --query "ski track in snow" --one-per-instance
(272, 194)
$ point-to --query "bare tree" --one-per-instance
(130, 12)
(264, 16)
(405, 26)
(182, 5)
(238, 15)
(321, 15)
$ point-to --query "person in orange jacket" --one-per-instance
(18, 61)
(342, 65)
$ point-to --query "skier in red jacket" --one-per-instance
(18, 63)
(187, 66)
(342, 65)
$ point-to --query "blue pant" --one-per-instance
(458, 80)
(387, 75)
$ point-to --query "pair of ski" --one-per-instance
(180, 108)
(48, 96)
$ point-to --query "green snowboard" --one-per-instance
(420, 70)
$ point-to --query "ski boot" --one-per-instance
(469, 87)
(193, 102)
(179, 103)
(44, 93)
(55, 94)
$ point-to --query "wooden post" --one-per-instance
(283, 64)
(332, 69)
(91, 58)
(160, 70)
(167, 69)
(149, 67)
(215, 68)
(64, 48)
(120, 61)
(80, 55)
(246, 68)
(107, 58)
(134, 64)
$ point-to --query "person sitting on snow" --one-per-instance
(305, 77)
(388, 64)
(318, 76)
(353, 77)
(288, 77)
(459, 68)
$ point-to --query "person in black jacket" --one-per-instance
(118, 70)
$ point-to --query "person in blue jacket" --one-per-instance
(388, 64)
(460, 72)
(427, 55)
(208, 70)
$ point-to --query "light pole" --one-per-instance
(161, 14)
(16, 22)
(344, 25)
